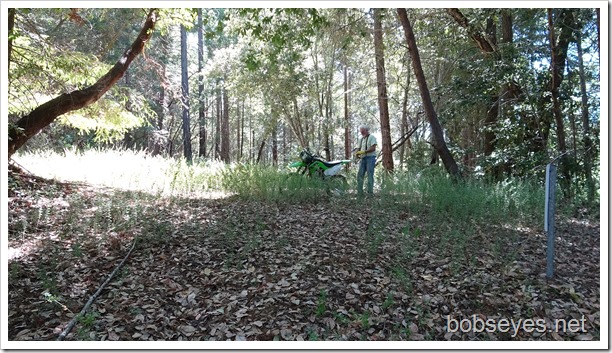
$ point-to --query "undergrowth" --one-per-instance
(428, 190)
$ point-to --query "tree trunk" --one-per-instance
(489, 125)
(45, 114)
(557, 66)
(225, 130)
(506, 25)
(482, 40)
(493, 111)
(404, 122)
(584, 105)
(260, 152)
(436, 128)
(185, 97)
(237, 131)
(251, 139)
(598, 29)
(11, 25)
(383, 104)
(201, 111)
(217, 141)
(240, 154)
(347, 121)
(487, 43)
(275, 144)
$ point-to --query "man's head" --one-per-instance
(364, 130)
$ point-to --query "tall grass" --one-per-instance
(516, 200)
(126, 170)
(253, 181)
(428, 190)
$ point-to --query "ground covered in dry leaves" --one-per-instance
(231, 269)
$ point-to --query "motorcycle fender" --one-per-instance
(297, 164)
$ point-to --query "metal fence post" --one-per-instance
(549, 217)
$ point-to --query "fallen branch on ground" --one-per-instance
(74, 320)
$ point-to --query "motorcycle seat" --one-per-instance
(331, 163)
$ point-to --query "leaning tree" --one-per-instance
(46, 113)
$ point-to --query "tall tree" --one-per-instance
(11, 25)
(225, 130)
(381, 82)
(185, 97)
(584, 109)
(275, 144)
(42, 116)
(487, 42)
(218, 113)
(559, 49)
(404, 121)
(436, 128)
(347, 117)
(203, 103)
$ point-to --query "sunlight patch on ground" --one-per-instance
(127, 170)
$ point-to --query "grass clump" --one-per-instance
(259, 182)
(479, 200)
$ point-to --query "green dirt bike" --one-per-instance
(330, 172)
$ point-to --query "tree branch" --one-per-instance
(45, 114)
(476, 34)
(95, 295)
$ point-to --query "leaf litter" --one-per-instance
(230, 269)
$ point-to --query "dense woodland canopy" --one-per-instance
(510, 89)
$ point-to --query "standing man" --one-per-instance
(367, 152)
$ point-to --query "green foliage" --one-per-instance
(254, 181)
(321, 303)
(513, 200)
(170, 17)
(44, 69)
(59, 70)
(389, 302)
(89, 318)
(403, 277)
(108, 119)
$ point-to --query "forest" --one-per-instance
(153, 192)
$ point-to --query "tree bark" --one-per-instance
(275, 144)
(404, 122)
(347, 121)
(225, 130)
(217, 140)
(11, 25)
(201, 111)
(506, 25)
(557, 67)
(586, 128)
(482, 40)
(45, 114)
(240, 153)
(598, 29)
(260, 152)
(237, 131)
(185, 97)
(383, 104)
(202, 133)
(436, 128)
